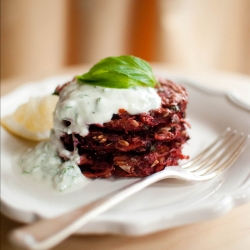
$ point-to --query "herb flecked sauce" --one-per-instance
(81, 105)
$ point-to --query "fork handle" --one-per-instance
(47, 233)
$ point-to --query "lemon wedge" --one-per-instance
(32, 120)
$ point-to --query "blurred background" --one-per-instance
(41, 36)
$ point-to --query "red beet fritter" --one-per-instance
(135, 145)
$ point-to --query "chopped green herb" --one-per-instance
(66, 169)
(76, 116)
(97, 102)
(83, 95)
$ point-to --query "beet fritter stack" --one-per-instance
(135, 145)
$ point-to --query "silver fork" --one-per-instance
(45, 234)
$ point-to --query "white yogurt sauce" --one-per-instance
(81, 104)
(84, 104)
(43, 165)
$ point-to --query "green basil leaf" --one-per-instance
(120, 72)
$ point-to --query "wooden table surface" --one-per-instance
(228, 232)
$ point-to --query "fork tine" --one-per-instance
(228, 151)
(232, 158)
(204, 161)
(206, 151)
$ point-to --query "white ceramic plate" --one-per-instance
(163, 205)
